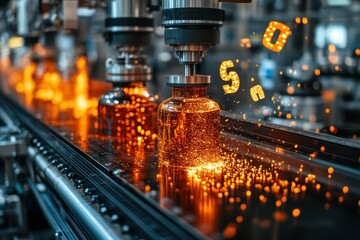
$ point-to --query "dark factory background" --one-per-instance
(179, 119)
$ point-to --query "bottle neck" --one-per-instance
(189, 92)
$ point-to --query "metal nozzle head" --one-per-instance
(182, 80)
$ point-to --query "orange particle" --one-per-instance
(298, 20)
(341, 199)
(147, 188)
(327, 206)
(327, 110)
(318, 186)
(305, 20)
(288, 116)
(280, 216)
(322, 148)
(317, 72)
(357, 52)
(345, 189)
(278, 203)
(333, 129)
(296, 212)
(330, 170)
(230, 231)
(239, 219)
(248, 193)
(262, 198)
(332, 48)
(231, 200)
(328, 195)
(359, 203)
(297, 190)
(290, 90)
(303, 188)
(243, 206)
(283, 199)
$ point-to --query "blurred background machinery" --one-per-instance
(80, 81)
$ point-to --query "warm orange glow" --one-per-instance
(49, 86)
(290, 90)
(333, 129)
(245, 43)
(305, 20)
(257, 93)
(230, 231)
(331, 170)
(317, 72)
(232, 75)
(239, 219)
(280, 216)
(345, 189)
(285, 32)
(332, 48)
(296, 212)
(27, 84)
(298, 20)
(327, 110)
(357, 52)
(81, 88)
(15, 42)
(305, 67)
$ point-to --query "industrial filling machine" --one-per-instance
(87, 151)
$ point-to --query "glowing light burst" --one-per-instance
(245, 43)
(285, 32)
(232, 75)
(257, 93)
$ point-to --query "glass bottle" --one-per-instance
(129, 112)
(189, 128)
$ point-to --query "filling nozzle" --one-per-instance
(129, 25)
(191, 28)
(190, 69)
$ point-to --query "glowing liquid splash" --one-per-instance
(243, 185)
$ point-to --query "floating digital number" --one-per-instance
(285, 32)
(257, 93)
(232, 75)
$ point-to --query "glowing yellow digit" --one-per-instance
(257, 93)
(281, 40)
(235, 84)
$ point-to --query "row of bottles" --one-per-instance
(186, 126)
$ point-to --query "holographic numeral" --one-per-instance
(285, 32)
(257, 93)
(232, 75)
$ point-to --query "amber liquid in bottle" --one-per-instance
(129, 112)
(189, 128)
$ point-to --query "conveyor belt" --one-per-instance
(337, 150)
(118, 200)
